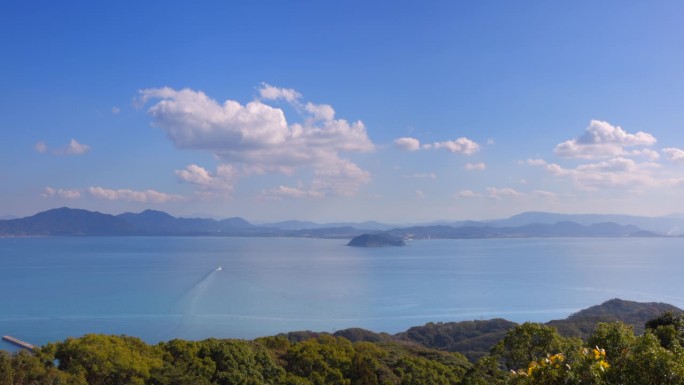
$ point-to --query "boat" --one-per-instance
(219, 268)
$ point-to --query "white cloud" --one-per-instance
(674, 154)
(556, 169)
(270, 92)
(544, 194)
(408, 144)
(116, 110)
(193, 120)
(601, 139)
(460, 145)
(222, 181)
(428, 175)
(195, 174)
(256, 138)
(41, 147)
(475, 166)
(645, 153)
(147, 196)
(342, 178)
(292, 192)
(617, 172)
(320, 111)
(420, 194)
(76, 148)
(73, 148)
(534, 162)
(500, 193)
(62, 193)
(467, 194)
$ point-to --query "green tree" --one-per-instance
(6, 370)
(526, 343)
(325, 360)
(650, 363)
(183, 364)
(669, 328)
(108, 360)
(616, 338)
(240, 362)
(486, 371)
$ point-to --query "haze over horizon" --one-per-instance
(399, 112)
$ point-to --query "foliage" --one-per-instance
(669, 328)
(528, 354)
(636, 314)
(471, 338)
(108, 360)
(527, 343)
(24, 368)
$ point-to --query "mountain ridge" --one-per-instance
(70, 221)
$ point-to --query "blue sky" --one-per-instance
(334, 111)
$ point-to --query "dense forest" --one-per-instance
(530, 353)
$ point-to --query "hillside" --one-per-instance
(376, 240)
(529, 354)
(582, 323)
(474, 338)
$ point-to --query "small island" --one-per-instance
(376, 240)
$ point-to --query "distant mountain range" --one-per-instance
(68, 221)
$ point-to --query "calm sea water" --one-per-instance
(159, 288)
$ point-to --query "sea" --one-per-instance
(161, 288)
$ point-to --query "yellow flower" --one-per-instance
(557, 358)
(531, 368)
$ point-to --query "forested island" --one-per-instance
(506, 353)
(376, 240)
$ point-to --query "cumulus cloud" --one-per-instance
(62, 193)
(73, 148)
(674, 154)
(467, 194)
(222, 181)
(534, 162)
(76, 148)
(147, 196)
(408, 144)
(461, 145)
(320, 111)
(612, 173)
(127, 195)
(500, 193)
(269, 92)
(475, 166)
(292, 192)
(342, 178)
(427, 175)
(257, 138)
(601, 139)
(645, 153)
(41, 147)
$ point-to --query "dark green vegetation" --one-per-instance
(530, 353)
(66, 221)
(376, 240)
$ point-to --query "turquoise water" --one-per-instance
(159, 288)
